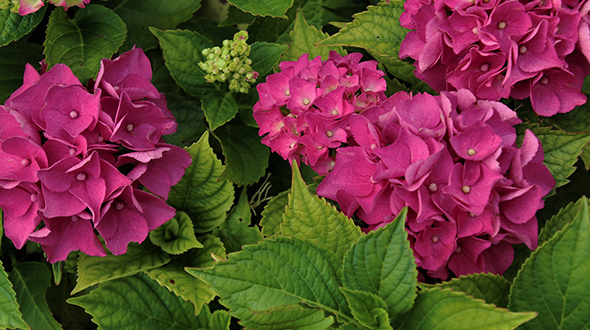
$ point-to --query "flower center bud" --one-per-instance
(471, 152)
(119, 206)
(501, 25)
(72, 152)
(334, 112)
(435, 239)
(129, 127)
(544, 81)
(432, 187)
(287, 93)
(373, 146)
(471, 214)
(465, 189)
(81, 176)
(73, 114)
(25, 162)
(305, 101)
(522, 49)
(484, 67)
(475, 30)
(329, 133)
(100, 139)
(332, 163)
(458, 249)
(34, 197)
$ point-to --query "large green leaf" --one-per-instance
(94, 270)
(382, 263)
(236, 16)
(246, 158)
(219, 108)
(313, 219)
(265, 55)
(236, 231)
(10, 317)
(272, 216)
(274, 8)
(31, 281)
(198, 193)
(137, 302)
(275, 274)
(445, 309)
(182, 51)
(190, 288)
(141, 14)
(561, 151)
(368, 309)
(312, 10)
(554, 281)
(177, 235)
(493, 289)
(13, 58)
(14, 26)
(304, 39)
(94, 33)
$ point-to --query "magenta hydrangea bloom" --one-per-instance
(72, 159)
(304, 110)
(500, 49)
(31, 6)
(452, 160)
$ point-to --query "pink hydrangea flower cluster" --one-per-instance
(74, 159)
(305, 109)
(452, 160)
(499, 49)
(30, 6)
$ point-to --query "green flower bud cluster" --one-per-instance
(230, 63)
(13, 5)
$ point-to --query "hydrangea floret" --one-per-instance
(453, 161)
(304, 111)
(25, 7)
(500, 49)
(230, 63)
(74, 160)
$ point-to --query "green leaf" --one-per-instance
(137, 302)
(220, 320)
(561, 151)
(209, 28)
(182, 51)
(246, 158)
(31, 280)
(236, 231)
(377, 30)
(304, 39)
(10, 317)
(554, 281)
(139, 15)
(12, 65)
(14, 26)
(95, 270)
(219, 108)
(274, 8)
(190, 119)
(367, 308)
(446, 309)
(576, 121)
(176, 279)
(382, 263)
(81, 43)
(177, 235)
(312, 10)
(313, 219)
(277, 29)
(265, 56)
(198, 193)
(565, 215)
(272, 216)
(491, 288)
(236, 16)
(268, 277)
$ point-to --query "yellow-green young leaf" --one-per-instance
(177, 235)
(246, 158)
(304, 38)
(14, 26)
(176, 279)
(445, 309)
(557, 222)
(272, 216)
(198, 193)
(141, 14)
(31, 281)
(313, 219)
(382, 263)
(376, 30)
(561, 151)
(10, 317)
(94, 270)
(219, 108)
(554, 281)
(491, 288)
(94, 33)
(137, 302)
(265, 278)
(368, 309)
(274, 8)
